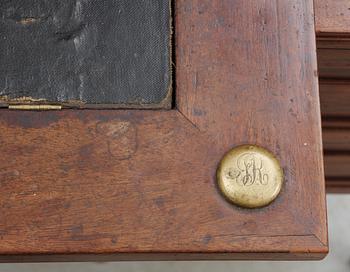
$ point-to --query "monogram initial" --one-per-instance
(249, 171)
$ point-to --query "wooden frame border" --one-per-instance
(133, 184)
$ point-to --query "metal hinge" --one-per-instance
(35, 107)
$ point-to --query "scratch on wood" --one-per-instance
(121, 138)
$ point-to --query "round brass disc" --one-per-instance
(250, 176)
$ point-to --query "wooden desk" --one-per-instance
(140, 184)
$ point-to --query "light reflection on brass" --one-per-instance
(250, 176)
(35, 107)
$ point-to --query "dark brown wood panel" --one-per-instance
(333, 43)
(114, 185)
(335, 98)
(338, 186)
(336, 139)
(337, 166)
(334, 63)
(342, 123)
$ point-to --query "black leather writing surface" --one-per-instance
(85, 51)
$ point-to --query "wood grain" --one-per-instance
(116, 185)
(332, 17)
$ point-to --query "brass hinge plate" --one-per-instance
(35, 107)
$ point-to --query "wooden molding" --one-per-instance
(140, 184)
(338, 186)
(337, 166)
(334, 63)
(333, 42)
(335, 97)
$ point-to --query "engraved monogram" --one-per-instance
(248, 171)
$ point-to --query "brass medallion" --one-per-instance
(250, 176)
